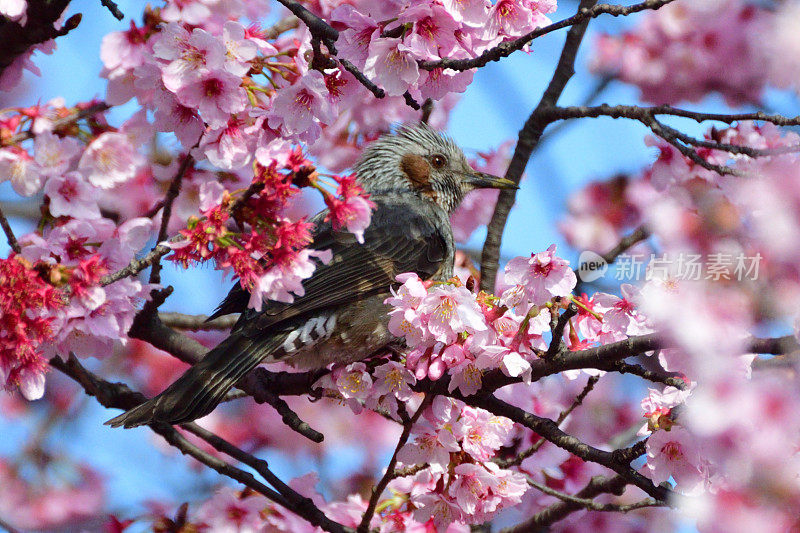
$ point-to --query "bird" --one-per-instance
(416, 177)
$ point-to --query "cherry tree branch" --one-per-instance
(169, 199)
(113, 8)
(520, 457)
(118, 395)
(12, 240)
(137, 265)
(592, 505)
(390, 473)
(559, 510)
(93, 109)
(635, 112)
(197, 322)
(527, 140)
(682, 142)
(618, 461)
(584, 14)
(39, 27)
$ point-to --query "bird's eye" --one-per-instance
(438, 160)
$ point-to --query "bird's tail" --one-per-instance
(200, 389)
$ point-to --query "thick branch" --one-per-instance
(549, 430)
(196, 322)
(529, 137)
(118, 395)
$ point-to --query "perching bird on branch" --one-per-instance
(416, 178)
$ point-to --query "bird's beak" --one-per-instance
(479, 180)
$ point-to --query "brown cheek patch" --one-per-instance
(417, 169)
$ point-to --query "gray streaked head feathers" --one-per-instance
(418, 158)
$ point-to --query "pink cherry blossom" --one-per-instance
(240, 49)
(451, 310)
(70, 195)
(53, 154)
(282, 282)
(216, 94)
(23, 172)
(300, 108)
(516, 17)
(124, 50)
(677, 454)
(230, 511)
(391, 65)
(542, 277)
(14, 9)
(354, 42)
(109, 160)
(190, 55)
(470, 12)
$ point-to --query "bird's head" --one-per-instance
(421, 159)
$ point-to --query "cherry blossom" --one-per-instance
(542, 277)
(70, 195)
(109, 160)
(21, 169)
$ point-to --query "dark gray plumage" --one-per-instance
(416, 178)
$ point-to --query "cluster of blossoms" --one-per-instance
(21, 365)
(388, 52)
(683, 50)
(40, 503)
(59, 268)
(721, 446)
(75, 255)
(460, 483)
(269, 257)
(452, 331)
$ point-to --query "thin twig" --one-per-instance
(8, 527)
(584, 14)
(137, 265)
(166, 212)
(12, 240)
(520, 457)
(592, 505)
(378, 489)
(57, 124)
(282, 26)
(113, 8)
(649, 375)
(557, 511)
(557, 342)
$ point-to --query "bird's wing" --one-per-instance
(402, 237)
